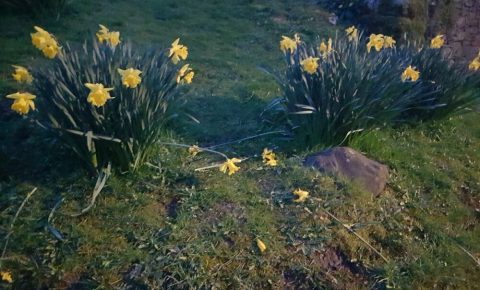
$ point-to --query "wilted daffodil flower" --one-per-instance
(301, 195)
(230, 166)
(178, 51)
(325, 48)
(194, 150)
(110, 37)
(377, 41)
(289, 44)
(22, 75)
(130, 77)
(45, 42)
(269, 157)
(22, 103)
(437, 42)
(185, 74)
(475, 64)
(410, 73)
(352, 33)
(98, 95)
(310, 64)
(261, 246)
(389, 42)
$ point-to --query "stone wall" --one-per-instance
(463, 35)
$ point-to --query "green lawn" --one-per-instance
(197, 229)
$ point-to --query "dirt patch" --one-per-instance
(224, 209)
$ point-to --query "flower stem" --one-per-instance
(188, 146)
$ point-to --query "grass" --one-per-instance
(173, 227)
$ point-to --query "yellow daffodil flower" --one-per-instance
(194, 150)
(410, 73)
(178, 51)
(310, 64)
(261, 246)
(325, 48)
(230, 166)
(437, 42)
(377, 41)
(269, 157)
(185, 74)
(45, 42)
(289, 44)
(98, 95)
(130, 77)
(110, 37)
(6, 276)
(389, 42)
(22, 75)
(23, 102)
(302, 195)
(352, 33)
(475, 64)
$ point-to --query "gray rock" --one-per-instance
(351, 165)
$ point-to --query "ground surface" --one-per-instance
(169, 226)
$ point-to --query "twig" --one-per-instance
(475, 259)
(349, 229)
(246, 138)
(7, 238)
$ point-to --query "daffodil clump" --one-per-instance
(351, 84)
(109, 101)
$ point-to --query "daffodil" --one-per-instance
(178, 51)
(269, 157)
(6, 276)
(130, 77)
(230, 166)
(377, 41)
(194, 150)
(110, 37)
(310, 64)
(261, 246)
(352, 33)
(475, 64)
(98, 95)
(45, 42)
(325, 48)
(301, 195)
(438, 41)
(185, 74)
(410, 73)
(22, 103)
(22, 75)
(289, 44)
(389, 42)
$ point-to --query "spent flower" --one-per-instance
(261, 246)
(6, 276)
(352, 33)
(229, 165)
(22, 75)
(269, 157)
(301, 195)
(475, 64)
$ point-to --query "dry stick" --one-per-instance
(15, 219)
(357, 235)
(477, 261)
(246, 138)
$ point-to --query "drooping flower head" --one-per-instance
(389, 42)
(310, 64)
(377, 41)
(22, 75)
(438, 41)
(475, 64)
(45, 42)
(98, 95)
(130, 77)
(185, 75)
(289, 44)
(261, 246)
(301, 195)
(410, 73)
(269, 157)
(325, 48)
(110, 37)
(352, 33)
(178, 51)
(230, 166)
(22, 103)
